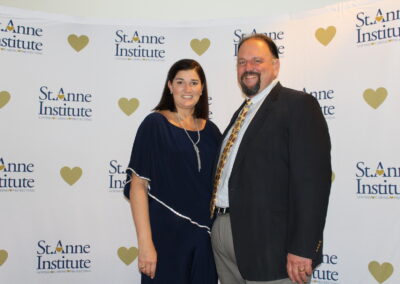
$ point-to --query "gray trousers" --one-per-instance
(224, 254)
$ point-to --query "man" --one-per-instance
(272, 179)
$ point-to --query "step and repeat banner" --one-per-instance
(73, 92)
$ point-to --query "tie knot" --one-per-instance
(246, 106)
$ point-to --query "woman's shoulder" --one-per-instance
(151, 123)
(211, 124)
(213, 127)
(152, 119)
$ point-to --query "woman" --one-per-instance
(169, 182)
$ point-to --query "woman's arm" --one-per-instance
(147, 258)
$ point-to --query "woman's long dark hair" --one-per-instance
(167, 100)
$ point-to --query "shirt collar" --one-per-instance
(260, 96)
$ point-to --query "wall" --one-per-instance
(169, 10)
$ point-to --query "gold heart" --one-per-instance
(379, 18)
(200, 46)
(3, 256)
(127, 255)
(4, 98)
(71, 176)
(375, 98)
(78, 43)
(324, 36)
(10, 28)
(135, 38)
(128, 106)
(381, 272)
(380, 172)
(333, 177)
(2, 167)
(60, 97)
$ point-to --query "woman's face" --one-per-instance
(186, 89)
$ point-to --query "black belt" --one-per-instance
(221, 211)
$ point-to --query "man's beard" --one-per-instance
(252, 90)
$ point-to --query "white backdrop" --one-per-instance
(70, 107)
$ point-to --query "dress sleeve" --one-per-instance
(141, 155)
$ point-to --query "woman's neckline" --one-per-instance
(166, 119)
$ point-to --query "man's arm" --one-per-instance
(310, 179)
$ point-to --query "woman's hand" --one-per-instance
(147, 259)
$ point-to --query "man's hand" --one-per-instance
(298, 268)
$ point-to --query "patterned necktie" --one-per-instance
(222, 159)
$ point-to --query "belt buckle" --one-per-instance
(221, 211)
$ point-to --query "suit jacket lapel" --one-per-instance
(233, 119)
(255, 125)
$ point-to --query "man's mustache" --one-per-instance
(249, 73)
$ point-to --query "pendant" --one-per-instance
(196, 149)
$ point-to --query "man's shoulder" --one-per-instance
(293, 95)
(290, 92)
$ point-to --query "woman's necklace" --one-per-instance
(195, 147)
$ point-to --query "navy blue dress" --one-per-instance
(179, 198)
